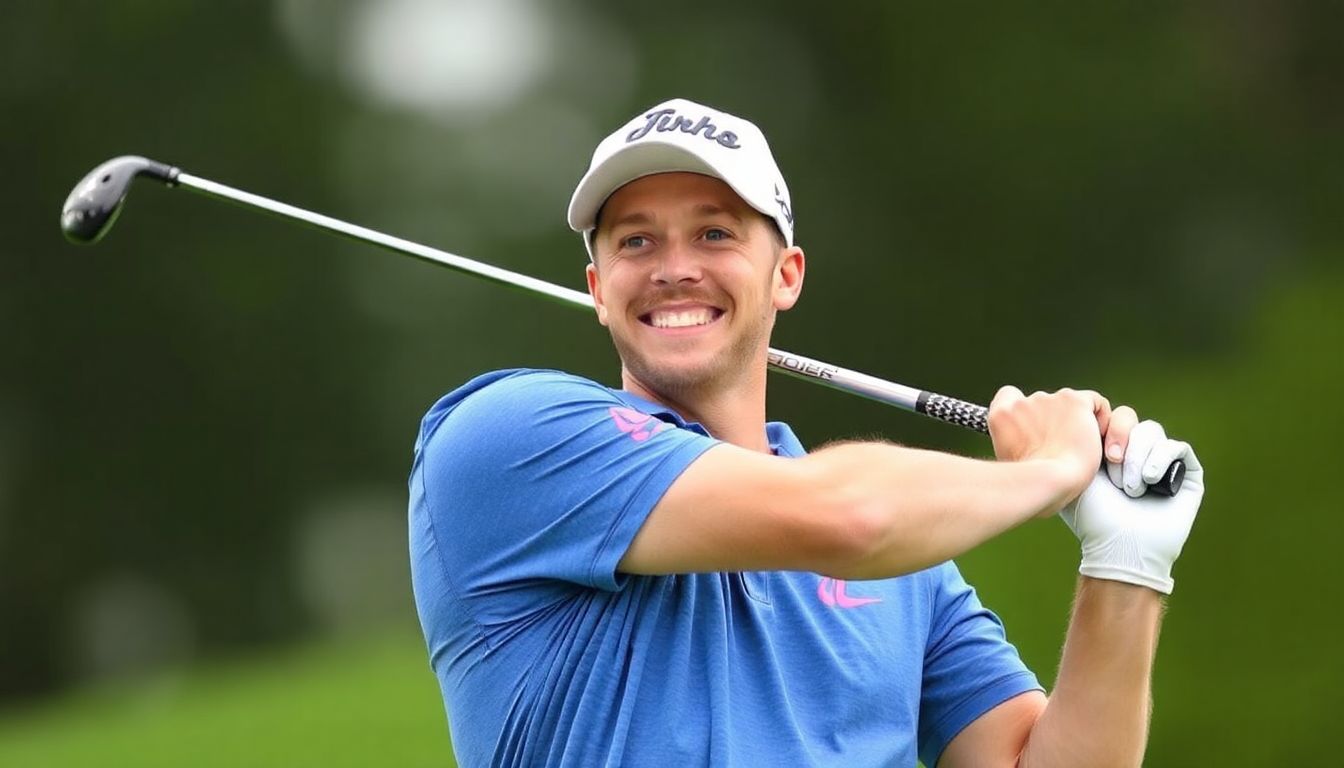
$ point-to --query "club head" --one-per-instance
(96, 200)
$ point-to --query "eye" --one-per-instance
(635, 241)
(715, 233)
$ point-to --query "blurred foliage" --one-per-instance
(1141, 199)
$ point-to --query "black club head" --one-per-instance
(95, 201)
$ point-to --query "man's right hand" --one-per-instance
(1064, 428)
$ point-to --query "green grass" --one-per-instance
(366, 703)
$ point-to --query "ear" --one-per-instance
(595, 290)
(789, 277)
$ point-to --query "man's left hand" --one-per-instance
(1127, 536)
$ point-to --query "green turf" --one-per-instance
(373, 702)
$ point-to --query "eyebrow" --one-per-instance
(636, 217)
(711, 209)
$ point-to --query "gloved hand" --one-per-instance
(1127, 536)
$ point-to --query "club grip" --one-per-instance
(976, 417)
(954, 411)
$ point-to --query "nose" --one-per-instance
(677, 263)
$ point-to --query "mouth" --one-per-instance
(674, 318)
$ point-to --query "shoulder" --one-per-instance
(502, 393)
(524, 384)
(503, 415)
(948, 588)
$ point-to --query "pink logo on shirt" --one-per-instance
(832, 593)
(639, 426)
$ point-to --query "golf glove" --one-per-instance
(1130, 537)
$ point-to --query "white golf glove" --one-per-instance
(1127, 536)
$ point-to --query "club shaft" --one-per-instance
(364, 234)
(95, 201)
(784, 362)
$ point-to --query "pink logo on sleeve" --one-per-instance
(832, 593)
(639, 426)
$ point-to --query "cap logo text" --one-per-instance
(783, 206)
(664, 122)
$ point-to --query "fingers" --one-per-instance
(1116, 434)
(1148, 454)
(1058, 426)
(1101, 408)
(1144, 438)
(1005, 396)
(1117, 440)
(1137, 453)
(1005, 446)
(1163, 454)
(1116, 472)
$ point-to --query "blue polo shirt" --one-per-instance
(528, 487)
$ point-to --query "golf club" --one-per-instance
(94, 203)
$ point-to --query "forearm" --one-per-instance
(914, 508)
(1098, 713)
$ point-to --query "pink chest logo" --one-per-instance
(639, 426)
(832, 594)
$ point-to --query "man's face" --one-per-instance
(688, 278)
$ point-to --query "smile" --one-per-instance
(687, 317)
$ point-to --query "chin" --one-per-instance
(680, 377)
(697, 366)
(677, 374)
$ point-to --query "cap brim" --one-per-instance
(624, 166)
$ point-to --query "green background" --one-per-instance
(206, 420)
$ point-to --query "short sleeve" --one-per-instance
(543, 476)
(969, 665)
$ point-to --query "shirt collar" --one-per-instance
(781, 438)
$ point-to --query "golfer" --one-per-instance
(657, 576)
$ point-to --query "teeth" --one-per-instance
(681, 319)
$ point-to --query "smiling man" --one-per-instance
(654, 575)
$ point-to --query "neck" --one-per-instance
(732, 411)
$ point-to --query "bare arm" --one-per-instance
(871, 510)
(856, 510)
(1104, 677)
(1098, 712)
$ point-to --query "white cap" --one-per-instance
(680, 135)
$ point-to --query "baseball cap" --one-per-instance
(681, 135)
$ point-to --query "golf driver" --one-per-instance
(94, 203)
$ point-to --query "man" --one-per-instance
(655, 576)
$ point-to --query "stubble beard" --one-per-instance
(682, 383)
